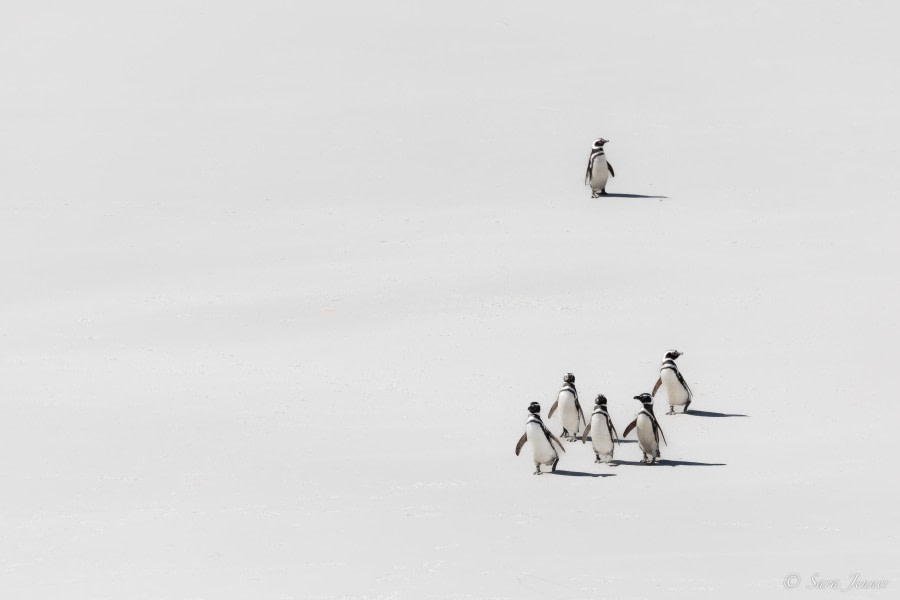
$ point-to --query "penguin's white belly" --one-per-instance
(599, 174)
(568, 413)
(600, 438)
(541, 448)
(676, 393)
(646, 439)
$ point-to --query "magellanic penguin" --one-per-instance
(605, 435)
(541, 440)
(677, 389)
(598, 169)
(570, 412)
(648, 430)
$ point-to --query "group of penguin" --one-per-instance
(604, 435)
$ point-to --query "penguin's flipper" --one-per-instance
(587, 174)
(552, 437)
(521, 443)
(580, 412)
(684, 383)
(613, 434)
(656, 387)
(628, 429)
(660, 433)
(609, 164)
(584, 435)
(553, 408)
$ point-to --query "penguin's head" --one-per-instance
(534, 408)
(569, 378)
(673, 354)
(598, 143)
(601, 400)
(645, 398)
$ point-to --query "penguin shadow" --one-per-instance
(618, 441)
(706, 413)
(581, 473)
(664, 462)
(634, 196)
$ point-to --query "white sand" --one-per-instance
(281, 281)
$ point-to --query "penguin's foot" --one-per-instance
(671, 410)
(595, 195)
(538, 471)
(603, 193)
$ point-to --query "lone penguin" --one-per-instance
(677, 389)
(570, 412)
(541, 439)
(605, 435)
(648, 430)
(598, 169)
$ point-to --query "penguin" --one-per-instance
(570, 412)
(598, 169)
(605, 435)
(677, 389)
(541, 439)
(648, 430)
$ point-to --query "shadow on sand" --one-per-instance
(671, 463)
(634, 196)
(620, 440)
(581, 474)
(706, 413)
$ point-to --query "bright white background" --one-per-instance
(279, 281)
